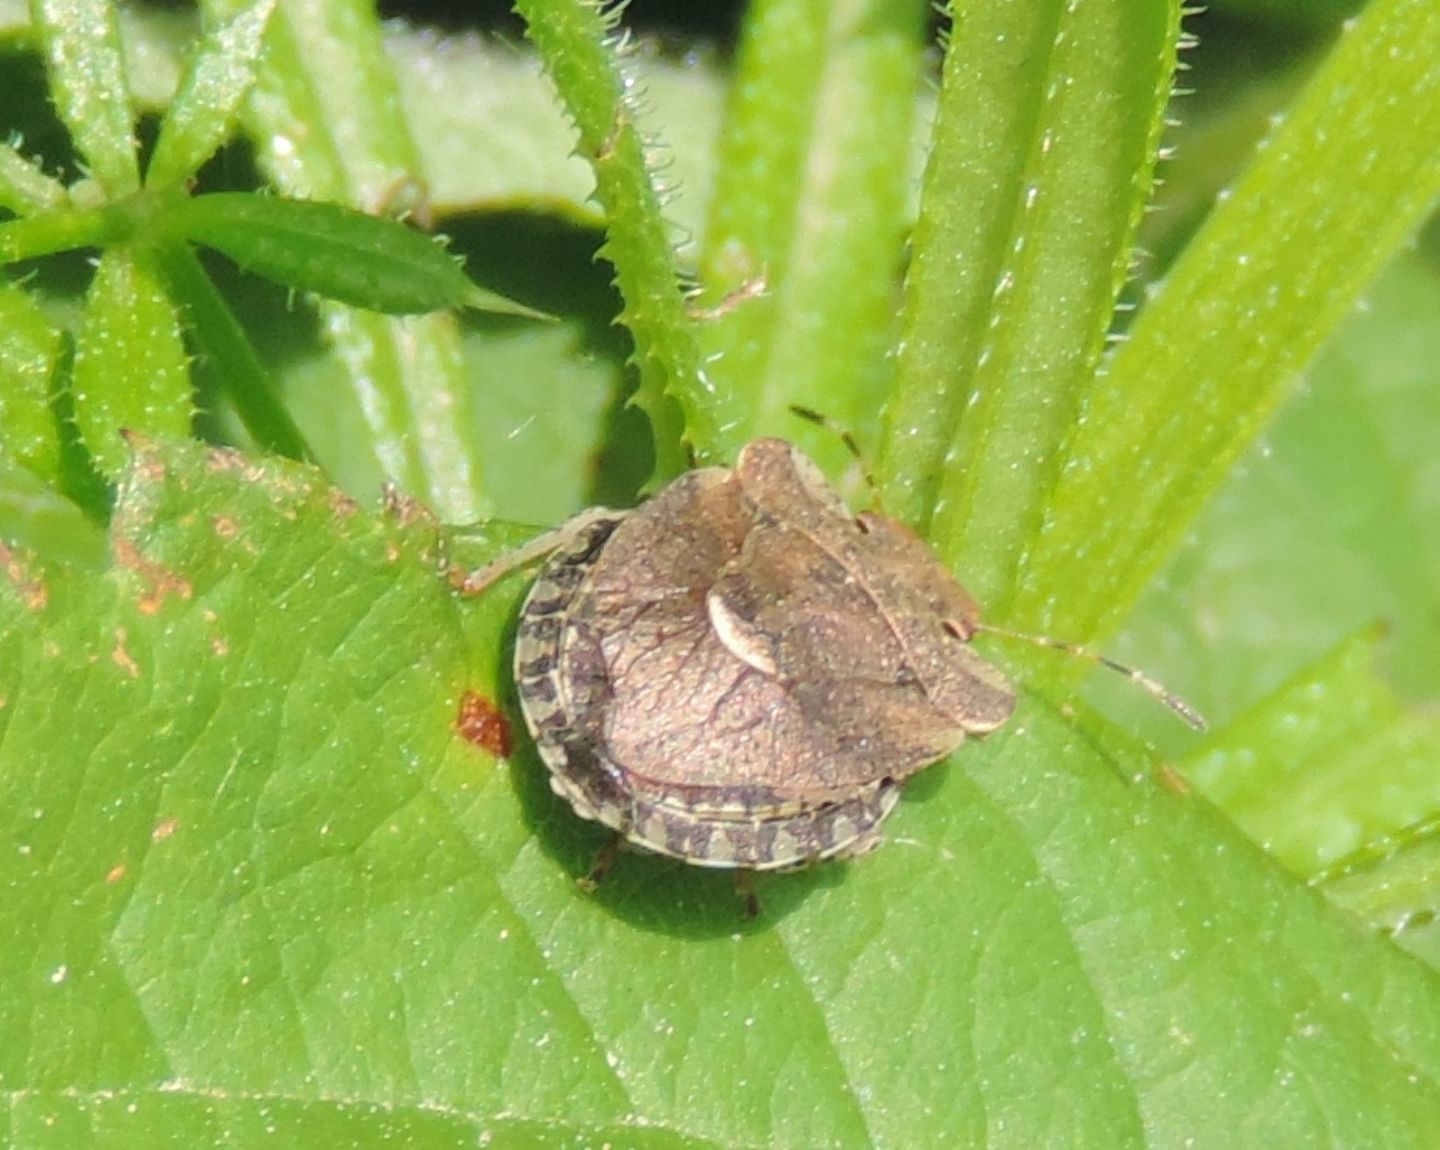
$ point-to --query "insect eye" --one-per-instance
(861, 523)
(953, 631)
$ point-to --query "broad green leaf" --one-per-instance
(81, 42)
(327, 124)
(29, 348)
(807, 216)
(1340, 184)
(205, 107)
(33, 514)
(492, 135)
(258, 871)
(1328, 763)
(130, 372)
(334, 251)
(574, 42)
(489, 128)
(176, 1120)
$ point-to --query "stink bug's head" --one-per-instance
(901, 554)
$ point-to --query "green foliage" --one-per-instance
(811, 249)
(140, 380)
(257, 880)
(333, 251)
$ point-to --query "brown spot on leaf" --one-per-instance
(164, 829)
(342, 505)
(121, 657)
(401, 508)
(32, 590)
(225, 526)
(1172, 779)
(481, 722)
(162, 580)
(117, 873)
(222, 459)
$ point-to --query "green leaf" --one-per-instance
(130, 371)
(204, 109)
(1394, 885)
(493, 136)
(62, 229)
(810, 204)
(572, 37)
(1325, 765)
(29, 349)
(259, 871)
(333, 251)
(228, 352)
(326, 88)
(327, 124)
(1296, 551)
(1339, 185)
(35, 515)
(24, 187)
(81, 42)
(1040, 165)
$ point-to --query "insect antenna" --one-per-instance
(1151, 687)
(810, 415)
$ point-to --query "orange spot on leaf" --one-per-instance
(32, 590)
(120, 654)
(481, 722)
(1172, 779)
(162, 581)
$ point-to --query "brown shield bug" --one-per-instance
(741, 673)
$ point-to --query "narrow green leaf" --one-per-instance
(1295, 552)
(61, 230)
(29, 348)
(316, 889)
(228, 352)
(809, 202)
(418, 405)
(1341, 183)
(130, 371)
(24, 187)
(328, 90)
(86, 67)
(331, 250)
(327, 124)
(1329, 762)
(1039, 169)
(574, 42)
(204, 109)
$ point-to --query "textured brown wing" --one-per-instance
(749, 644)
